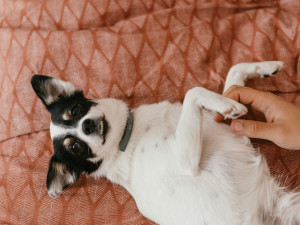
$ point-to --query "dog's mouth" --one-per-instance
(103, 129)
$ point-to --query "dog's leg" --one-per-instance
(188, 135)
(239, 73)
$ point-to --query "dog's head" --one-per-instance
(85, 132)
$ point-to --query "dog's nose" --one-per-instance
(88, 126)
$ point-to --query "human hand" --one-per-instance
(270, 117)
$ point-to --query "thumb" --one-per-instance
(254, 129)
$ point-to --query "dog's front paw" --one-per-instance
(269, 68)
(232, 109)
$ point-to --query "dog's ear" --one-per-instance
(50, 89)
(59, 177)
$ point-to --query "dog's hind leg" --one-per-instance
(239, 73)
(188, 134)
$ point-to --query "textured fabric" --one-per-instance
(139, 51)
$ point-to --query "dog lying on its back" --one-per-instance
(180, 166)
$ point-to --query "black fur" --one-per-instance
(64, 104)
(73, 164)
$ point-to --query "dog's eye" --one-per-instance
(76, 111)
(76, 148)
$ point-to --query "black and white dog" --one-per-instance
(179, 165)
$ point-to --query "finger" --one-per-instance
(248, 96)
(255, 129)
(241, 94)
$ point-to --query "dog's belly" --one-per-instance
(166, 196)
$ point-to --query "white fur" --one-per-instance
(181, 167)
(57, 131)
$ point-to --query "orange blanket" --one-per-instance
(141, 51)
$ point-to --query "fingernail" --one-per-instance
(238, 126)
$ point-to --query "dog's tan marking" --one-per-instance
(67, 142)
(60, 168)
(66, 116)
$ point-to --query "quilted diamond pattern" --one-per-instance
(141, 51)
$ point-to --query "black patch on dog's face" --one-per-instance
(73, 107)
(75, 160)
(66, 165)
